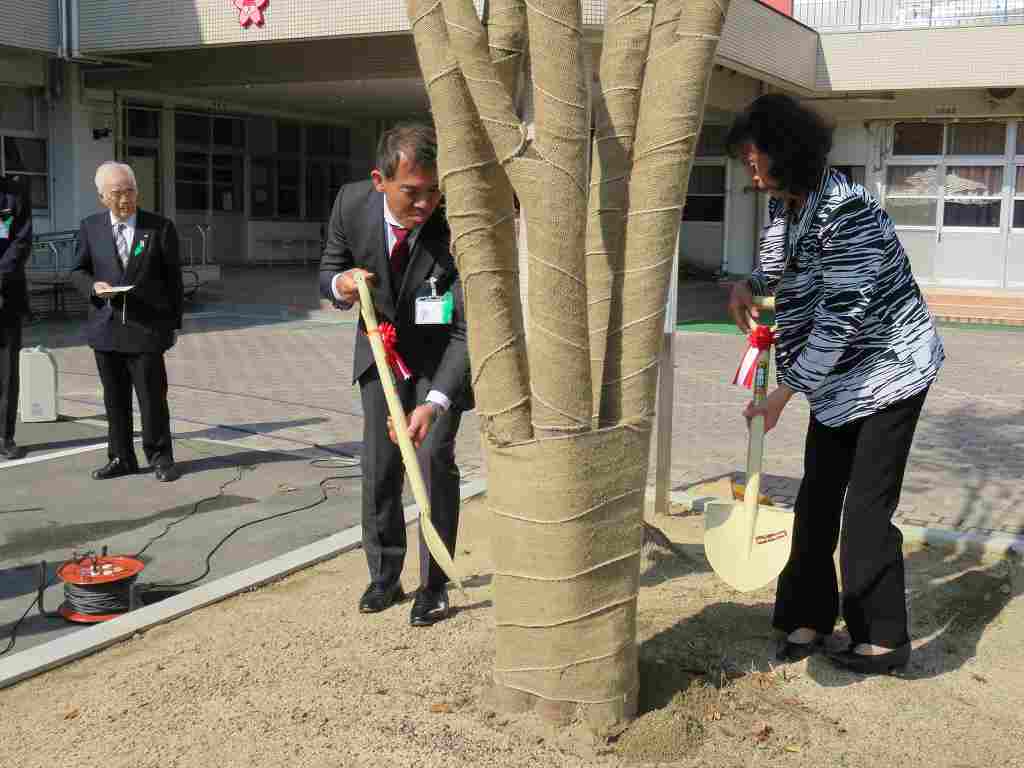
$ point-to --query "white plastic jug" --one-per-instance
(37, 397)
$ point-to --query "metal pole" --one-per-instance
(666, 390)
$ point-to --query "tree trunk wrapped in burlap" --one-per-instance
(566, 419)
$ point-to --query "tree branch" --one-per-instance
(627, 36)
(480, 210)
(684, 39)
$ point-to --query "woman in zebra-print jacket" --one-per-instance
(854, 335)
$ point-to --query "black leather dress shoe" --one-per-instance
(429, 607)
(377, 597)
(114, 468)
(787, 650)
(10, 449)
(167, 472)
(871, 664)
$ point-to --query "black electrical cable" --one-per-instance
(195, 508)
(18, 623)
(100, 599)
(341, 461)
(209, 557)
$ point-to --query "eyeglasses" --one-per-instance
(118, 193)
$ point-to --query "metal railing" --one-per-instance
(865, 15)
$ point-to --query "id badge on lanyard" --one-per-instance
(6, 220)
(434, 309)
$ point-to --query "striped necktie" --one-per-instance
(122, 244)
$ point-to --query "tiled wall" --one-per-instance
(125, 25)
(910, 59)
(29, 24)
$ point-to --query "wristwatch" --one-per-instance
(437, 410)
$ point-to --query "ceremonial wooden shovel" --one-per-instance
(412, 466)
(748, 543)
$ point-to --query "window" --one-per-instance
(327, 168)
(145, 161)
(323, 180)
(955, 188)
(229, 132)
(192, 181)
(17, 109)
(27, 157)
(912, 193)
(142, 124)
(972, 196)
(854, 173)
(192, 129)
(327, 140)
(288, 188)
(262, 188)
(289, 137)
(712, 141)
(228, 170)
(142, 151)
(1018, 196)
(977, 139)
(705, 195)
(917, 139)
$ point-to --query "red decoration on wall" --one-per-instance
(250, 12)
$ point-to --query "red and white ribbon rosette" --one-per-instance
(761, 340)
(389, 338)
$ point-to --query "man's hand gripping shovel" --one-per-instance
(401, 425)
(748, 543)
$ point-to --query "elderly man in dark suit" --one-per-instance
(129, 271)
(391, 229)
(15, 247)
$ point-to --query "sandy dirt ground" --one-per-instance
(292, 675)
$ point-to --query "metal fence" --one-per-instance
(48, 272)
(860, 15)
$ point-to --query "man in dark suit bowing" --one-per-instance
(129, 271)
(391, 229)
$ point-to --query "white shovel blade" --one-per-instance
(740, 562)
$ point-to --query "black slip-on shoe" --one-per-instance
(10, 449)
(871, 664)
(114, 468)
(789, 651)
(167, 472)
(378, 597)
(429, 607)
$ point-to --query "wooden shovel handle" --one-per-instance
(401, 425)
(755, 446)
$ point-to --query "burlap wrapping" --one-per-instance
(567, 516)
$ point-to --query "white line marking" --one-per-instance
(53, 455)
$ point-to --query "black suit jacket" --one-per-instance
(16, 248)
(357, 238)
(144, 319)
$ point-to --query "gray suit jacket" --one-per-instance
(357, 238)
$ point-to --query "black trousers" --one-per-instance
(383, 518)
(10, 351)
(852, 473)
(146, 373)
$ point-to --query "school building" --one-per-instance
(243, 117)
